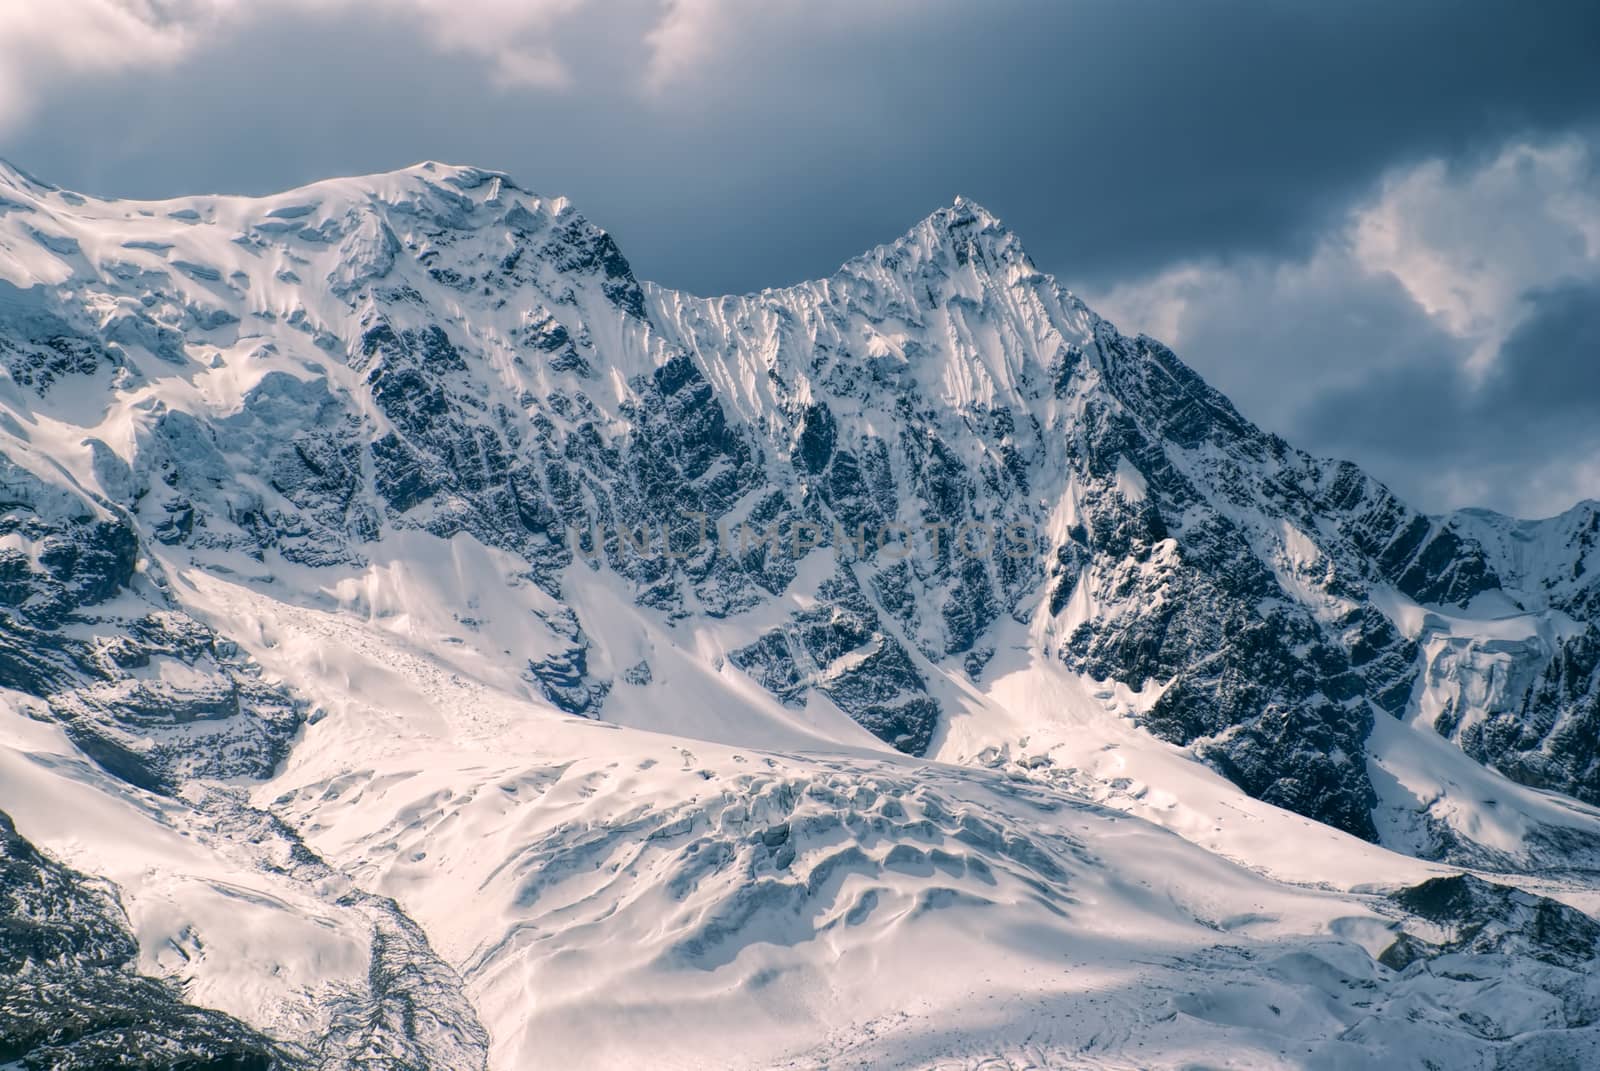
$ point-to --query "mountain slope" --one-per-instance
(346, 526)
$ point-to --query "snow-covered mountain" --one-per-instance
(425, 645)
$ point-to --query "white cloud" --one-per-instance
(1418, 288)
(45, 45)
(692, 36)
(513, 34)
(42, 44)
(50, 44)
(1468, 246)
(1272, 333)
(687, 35)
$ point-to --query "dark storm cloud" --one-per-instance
(1517, 432)
(1113, 136)
(1548, 377)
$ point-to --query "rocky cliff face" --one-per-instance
(1522, 693)
(87, 629)
(861, 490)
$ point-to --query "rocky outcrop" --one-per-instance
(72, 1000)
(145, 690)
(1482, 918)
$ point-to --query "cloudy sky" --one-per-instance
(1376, 226)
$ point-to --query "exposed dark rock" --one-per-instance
(71, 1000)
(1484, 918)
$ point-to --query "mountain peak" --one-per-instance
(451, 182)
(460, 176)
(13, 176)
(958, 234)
(967, 205)
(452, 185)
(966, 218)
